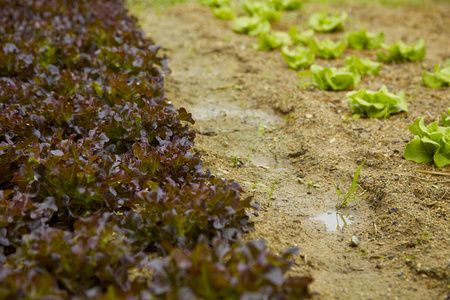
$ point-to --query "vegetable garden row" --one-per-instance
(101, 196)
(430, 144)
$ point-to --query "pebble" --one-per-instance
(355, 241)
(393, 210)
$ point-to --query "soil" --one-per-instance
(254, 125)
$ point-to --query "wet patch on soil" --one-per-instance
(255, 126)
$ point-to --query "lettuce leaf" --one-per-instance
(400, 52)
(322, 22)
(298, 58)
(215, 3)
(365, 66)
(264, 10)
(446, 118)
(224, 12)
(363, 40)
(379, 104)
(300, 37)
(331, 78)
(440, 77)
(327, 48)
(430, 144)
(287, 4)
(273, 40)
(251, 25)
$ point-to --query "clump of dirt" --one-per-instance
(255, 125)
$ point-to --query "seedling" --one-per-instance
(254, 186)
(249, 154)
(423, 237)
(235, 161)
(190, 52)
(288, 118)
(351, 195)
(262, 129)
(310, 183)
(269, 193)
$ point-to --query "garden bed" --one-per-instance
(254, 124)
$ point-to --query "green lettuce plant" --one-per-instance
(253, 26)
(430, 144)
(287, 4)
(400, 52)
(302, 37)
(380, 104)
(224, 12)
(365, 66)
(440, 77)
(323, 22)
(446, 118)
(298, 58)
(331, 78)
(273, 40)
(327, 48)
(364, 40)
(265, 10)
(215, 3)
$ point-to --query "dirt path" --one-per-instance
(255, 125)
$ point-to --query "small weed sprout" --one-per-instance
(235, 161)
(310, 183)
(249, 154)
(269, 193)
(423, 237)
(351, 195)
(255, 186)
(288, 118)
(262, 129)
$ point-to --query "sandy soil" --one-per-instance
(254, 125)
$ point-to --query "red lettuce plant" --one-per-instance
(95, 164)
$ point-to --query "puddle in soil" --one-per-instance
(213, 108)
(335, 220)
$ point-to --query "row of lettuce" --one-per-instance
(97, 171)
(257, 15)
(254, 17)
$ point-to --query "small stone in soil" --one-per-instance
(400, 274)
(393, 210)
(355, 241)
(378, 267)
